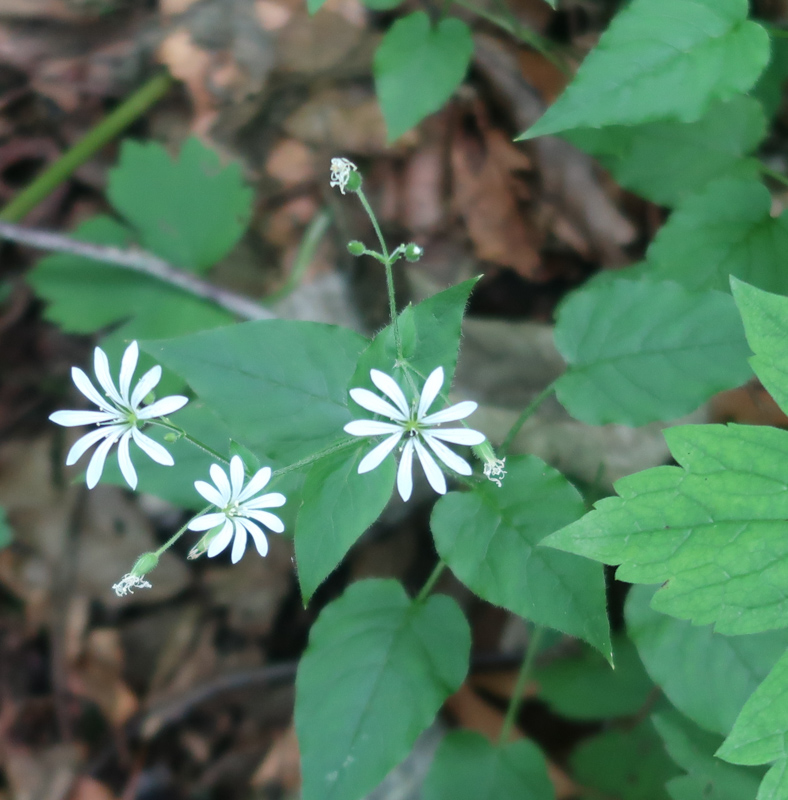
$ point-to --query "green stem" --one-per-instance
(430, 583)
(521, 420)
(165, 423)
(128, 111)
(334, 448)
(522, 680)
(177, 535)
(772, 173)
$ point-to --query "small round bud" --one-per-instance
(353, 182)
(146, 563)
(356, 248)
(413, 252)
(170, 437)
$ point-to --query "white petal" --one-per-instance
(163, 407)
(269, 520)
(84, 443)
(219, 477)
(389, 387)
(458, 435)
(206, 521)
(258, 536)
(405, 472)
(210, 493)
(96, 465)
(256, 484)
(448, 457)
(158, 453)
(430, 391)
(145, 385)
(124, 460)
(271, 500)
(101, 368)
(127, 366)
(431, 469)
(371, 427)
(237, 476)
(239, 543)
(84, 384)
(375, 404)
(375, 456)
(73, 419)
(221, 540)
(452, 413)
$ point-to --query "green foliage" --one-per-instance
(640, 351)
(468, 767)
(488, 536)
(377, 669)
(662, 59)
(706, 676)
(6, 536)
(414, 53)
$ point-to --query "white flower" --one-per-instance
(416, 425)
(119, 416)
(239, 509)
(341, 170)
(128, 583)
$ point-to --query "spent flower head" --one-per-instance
(342, 171)
(413, 423)
(119, 417)
(128, 583)
(239, 509)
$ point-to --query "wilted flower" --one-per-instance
(128, 583)
(239, 509)
(414, 424)
(119, 417)
(341, 170)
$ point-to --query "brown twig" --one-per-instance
(138, 261)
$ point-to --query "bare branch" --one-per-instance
(138, 261)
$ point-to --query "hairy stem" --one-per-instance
(522, 680)
(429, 585)
(521, 420)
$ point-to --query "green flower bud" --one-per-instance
(171, 437)
(413, 252)
(146, 563)
(356, 248)
(353, 181)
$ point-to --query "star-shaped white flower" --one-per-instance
(119, 417)
(414, 424)
(239, 509)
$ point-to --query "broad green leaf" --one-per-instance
(708, 677)
(377, 669)
(5, 530)
(414, 53)
(280, 385)
(639, 351)
(489, 536)
(712, 529)
(339, 505)
(469, 767)
(585, 686)
(628, 764)
(708, 777)
(667, 160)
(761, 732)
(727, 229)
(765, 318)
(191, 210)
(662, 59)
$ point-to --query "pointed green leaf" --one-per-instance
(489, 539)
(377, 669)
(469, 767)
(639, 351)
(340, 506)
(414, 53)
(712, 528)
(708, 677)
(668, 160)
(662, 59)
(191, 210)
(727, 229)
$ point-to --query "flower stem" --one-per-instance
(177, 535)
(522, 680)
(521, 420)
(772, 173)
(431, 581)
(334, 448)
(128, 111)
(165, 423)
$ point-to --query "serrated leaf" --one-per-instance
(708, 677)
(662, 59)
(376, 671)
(340, 505)
(279, 385)
(713, 528)
(765, 318)
(727, 229)
(416, 53)
(191, 210)
(489, 539)
(639, 351)
(668, 160)
(469, 767)
(6, 537)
